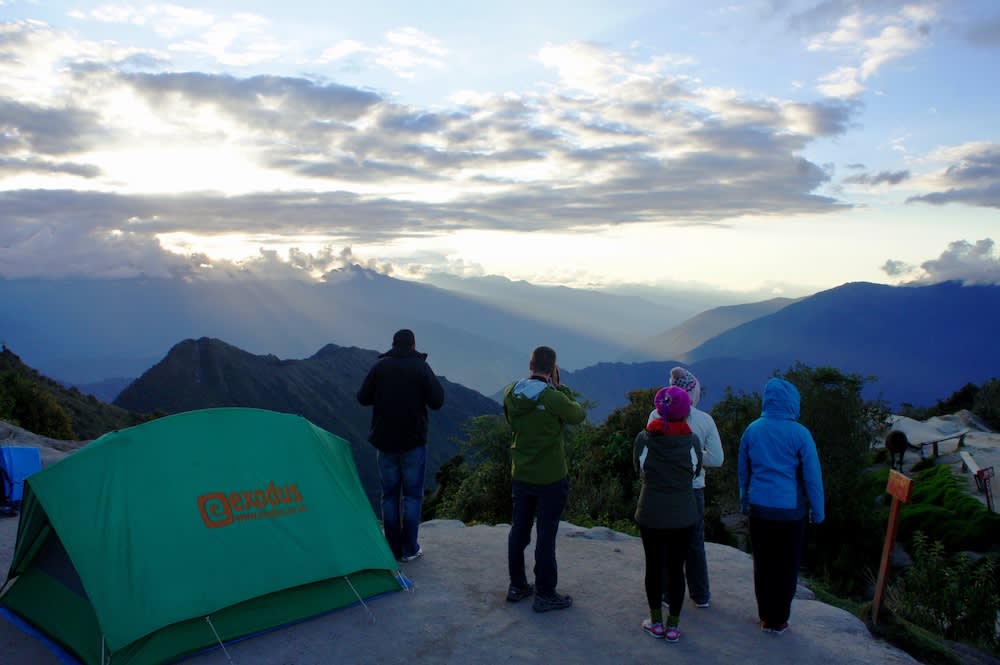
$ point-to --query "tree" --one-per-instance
(479, 490)
(987, 403)
(844, 426)
(25, 405)
(731, 414)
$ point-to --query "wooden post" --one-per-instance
(900, 487)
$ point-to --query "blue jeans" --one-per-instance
(543, 505)
(402, 480)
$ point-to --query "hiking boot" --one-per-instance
(672, 634)
(551, 602)
(654, 629)
(406, 558)
(516, 593)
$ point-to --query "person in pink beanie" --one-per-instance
(702, 424)
(667, 455)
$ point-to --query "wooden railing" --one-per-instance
(919, 447)
(982, 476)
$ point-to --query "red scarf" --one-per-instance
(668, 427)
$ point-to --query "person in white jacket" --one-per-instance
(702, 424)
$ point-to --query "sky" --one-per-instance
(772, 146)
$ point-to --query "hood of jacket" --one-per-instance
(781, 400)
(403, 352)
(523, 395)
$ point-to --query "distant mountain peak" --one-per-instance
(352, 272)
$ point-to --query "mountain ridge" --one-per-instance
(678, 341)
(85, 331)
(207, 372)
(911, 340)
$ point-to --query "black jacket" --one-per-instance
(401, 386)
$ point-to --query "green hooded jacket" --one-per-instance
(537, 411)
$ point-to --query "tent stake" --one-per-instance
(208, 619)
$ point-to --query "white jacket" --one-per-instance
(702, 424)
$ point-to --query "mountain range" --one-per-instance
(920, 343)
(204, 373)
(84, 331)
(678, 341)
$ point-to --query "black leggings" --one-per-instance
(665, 548)
(777, 555)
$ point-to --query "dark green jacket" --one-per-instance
(667, 457)
(537, 411)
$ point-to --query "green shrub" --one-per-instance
(986, 404)
(944, 511)
(731, 414)
(477, 484)
(984, 401)
(24, 404)
(953, 596)
(482, 496)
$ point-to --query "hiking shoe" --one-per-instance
(654, 629)
(774, 630)
(516, 593)
(672, 634)
(406, 558)
(552, 602)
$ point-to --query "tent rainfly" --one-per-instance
(193, 530)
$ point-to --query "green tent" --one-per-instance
(167, 538)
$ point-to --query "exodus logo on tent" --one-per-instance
(220, 509)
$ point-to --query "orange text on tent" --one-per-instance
(220, 509)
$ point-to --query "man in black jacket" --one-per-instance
(401, 386)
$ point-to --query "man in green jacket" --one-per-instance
(537, 408)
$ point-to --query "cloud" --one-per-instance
(894, 268)
(32, 128)
(266, 102)
(965, 262)
(405, 52)
(14, 166)
(871, 35)
(880, 178)
(242, 40)
(972, 176)
(613, 139)
(55, 250)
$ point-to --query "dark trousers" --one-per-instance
(777, 555)
(665, 549)
(696, 564)
(541, 504)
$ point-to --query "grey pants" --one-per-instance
(695, 565)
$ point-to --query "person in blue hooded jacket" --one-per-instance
(781, 486)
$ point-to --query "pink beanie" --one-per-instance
(672, 403)
(682, 378)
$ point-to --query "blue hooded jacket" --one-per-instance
(780, 477)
